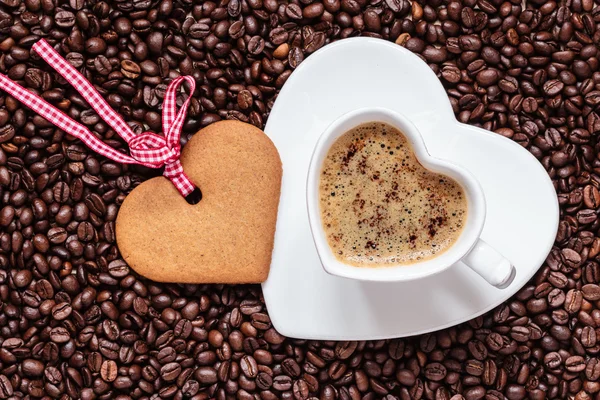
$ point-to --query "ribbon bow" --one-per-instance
(148, 149)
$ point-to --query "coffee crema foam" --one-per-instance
(380, 206)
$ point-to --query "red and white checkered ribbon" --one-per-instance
(148, 149)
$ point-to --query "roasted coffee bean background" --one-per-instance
(76, 322)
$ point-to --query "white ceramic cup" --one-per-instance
(468, 248)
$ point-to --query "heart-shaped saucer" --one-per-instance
(522, 208)
(228, 236)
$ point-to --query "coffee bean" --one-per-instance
(313, 10)
(108, 370)
(293, 11)
(300, 389)
(248, 366)
(592, 369)
(343, 350)
(435, 371)
(406, 377)
(396, 6)
(291, 367)
(53, 375)
(130, 69)
(573, 301)
(295, 57)
(256, 45)
(520, 333)
(396, 349)
(7, 214)
(244, 99)
(552, 360)
(588, 336)
(451, 73)
(264, 381)
(61, 311)
(118, 269)
(190, 388)
(487, 77)
(59, 335)
(553, 87)
(169, 372)
(61, 192)
(557, 279)
(206, 375)
(475, 367)
(7, 132)
(282, 383)
(478, 349)
(64, 19)
(95, 46)
(575, 364)
(6, 388)
(109, 349)
(515, 392)
(32, 368)
(314, 42)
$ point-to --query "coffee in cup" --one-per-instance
(380, 207)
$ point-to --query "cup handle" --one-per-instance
(490, 265)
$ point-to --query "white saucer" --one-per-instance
(522, 218)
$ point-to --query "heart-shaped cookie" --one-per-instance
(228, 236)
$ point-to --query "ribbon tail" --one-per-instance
(171, 119)
(84, 87)
(63, 121)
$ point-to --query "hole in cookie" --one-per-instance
(194, 197)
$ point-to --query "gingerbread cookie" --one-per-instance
(228, 236)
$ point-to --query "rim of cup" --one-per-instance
(476, 207)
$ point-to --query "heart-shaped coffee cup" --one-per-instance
(468, 247)
(228, 236)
